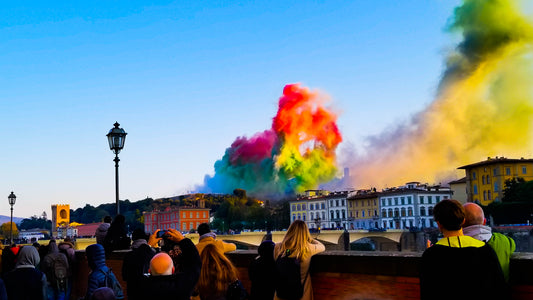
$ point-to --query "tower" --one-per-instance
(60, 216)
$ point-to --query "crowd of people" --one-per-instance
(37, 271)
(167, 265)
(162, 265)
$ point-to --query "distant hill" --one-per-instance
(5, 219)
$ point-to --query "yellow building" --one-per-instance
(60, 217)
(485, 180)
(363, 209)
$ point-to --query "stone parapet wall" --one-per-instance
(346, 274)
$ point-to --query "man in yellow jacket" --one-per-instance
(208, 237)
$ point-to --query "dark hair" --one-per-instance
(450, 214)
(107, 219)
(203, 228)
(139, 233)
(120, 219)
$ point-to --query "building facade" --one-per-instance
(321, 209)
(338, 210)
(60, 217)
(311, 208)
(363, 209)
(458, 188)
(485, 180)
(183, 219)
(411, 206)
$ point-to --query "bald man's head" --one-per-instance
(473, 214)
(161, 264)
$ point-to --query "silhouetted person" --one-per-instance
(262, 273)
(117, 235)
(137, 263)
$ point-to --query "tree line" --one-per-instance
(235, 211)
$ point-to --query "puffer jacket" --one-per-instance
(97, 278)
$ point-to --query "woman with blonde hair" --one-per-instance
(299, 244)
(218, 277)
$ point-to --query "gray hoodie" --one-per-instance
(479, 232)
(28, 257)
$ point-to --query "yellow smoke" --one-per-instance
(484, 105)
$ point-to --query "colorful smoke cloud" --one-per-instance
(296, 154)
(483, 105)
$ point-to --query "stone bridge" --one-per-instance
(390, 240)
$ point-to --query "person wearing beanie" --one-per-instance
(208, 237)
(459, 266)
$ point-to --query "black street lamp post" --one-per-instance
(116, 138)
(12, 198)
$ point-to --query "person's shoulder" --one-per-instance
(434, 250)
(500, 238)
(206, 239)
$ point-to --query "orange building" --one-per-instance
(180, 218)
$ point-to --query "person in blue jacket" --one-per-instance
(99, 272)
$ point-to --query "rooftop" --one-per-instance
(497, 160)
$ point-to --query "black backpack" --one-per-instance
(289, 280)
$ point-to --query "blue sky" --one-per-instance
(185, 78)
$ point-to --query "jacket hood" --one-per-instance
(52, 247)
(95, 256)
(28, 257)
(65, 245)
(479, 232)
(103, 227)
(137, 243)
(208, 235)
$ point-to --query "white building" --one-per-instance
(338, 210)
(32, 233)
(410, 206)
